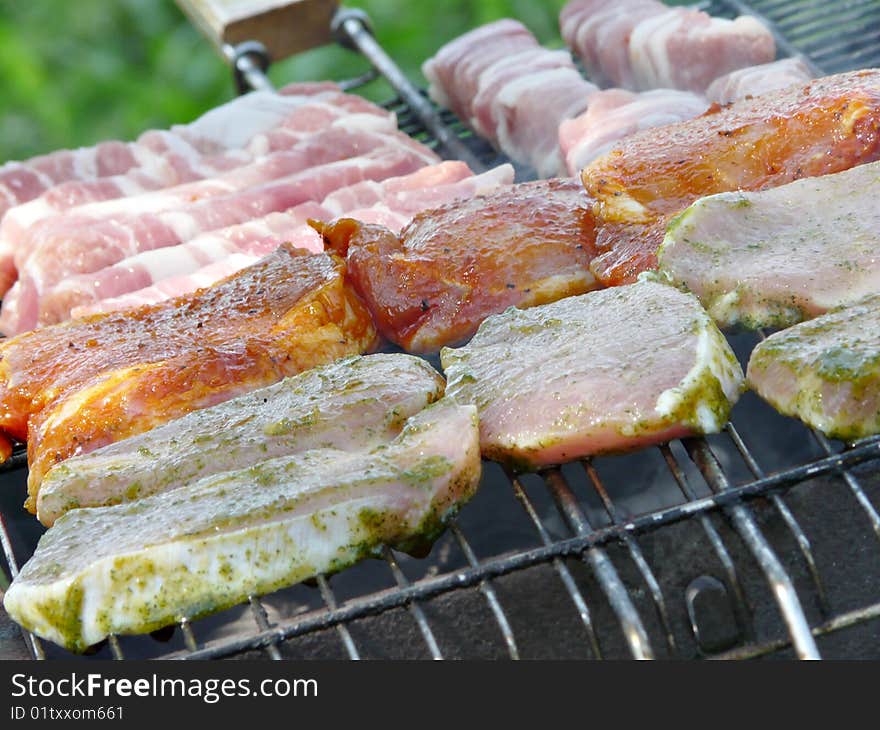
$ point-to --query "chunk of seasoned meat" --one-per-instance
(826, 126)
(453, 266)
(776, 257)
(604, 372)
(826, 371)
(135, 567)
(75, 387)
(353, 404)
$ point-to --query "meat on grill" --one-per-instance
(615, 113)
(453, 266)
(153, 276)
(776, 257)
(826, 371)
(94, 247)
(643, 44)
(510, 90)
(604, 372)
(135, 567)
(354, 404)
(756, 80)
(826, 126)
(71, 388)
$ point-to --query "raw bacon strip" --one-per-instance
(364, 401)
(203, 260)
(75, 387)
(135, 567)
(454, 72)
(604, 372)
(642, 44)
(756, 80)
(615, 114)
(319, 149)
(825, 372)
(93, 248)
(455, 265)
(826, 126)
(776, 257)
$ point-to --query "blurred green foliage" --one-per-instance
(74, 72)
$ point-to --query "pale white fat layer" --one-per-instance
(648, 41)
(25, 215)
(85, 163)
(164, 262)
(184, 225)
(233, 124)
(712, 356)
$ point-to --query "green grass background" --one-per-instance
(74, 72)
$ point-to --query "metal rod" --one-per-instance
(34, 645)
(115, 648)
(561, 568)
(636, 554)
(344, 633)
(803, 542)
(350, 28)
(250, 61)
(618, 596)
(414, 608)
(780, 582)
(259, 613)
(189, 637)
(489, 592)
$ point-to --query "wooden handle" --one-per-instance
(285, 27)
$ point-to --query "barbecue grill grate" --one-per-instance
(762, 540)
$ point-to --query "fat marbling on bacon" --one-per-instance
(603, 372)
(643, 44)
(74, 387)
(453, 266)
(756, 80)
(825, 126)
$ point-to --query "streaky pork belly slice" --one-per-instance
(529, 111)
(825, 372)
(776, 257)
(757, 80)
(354, 404)
(614, 114)
(826, 126)
(226, 127)
(643, 44)
(92, 248)
(74, 387)
(213, 256)
(454, 71)
(214, 543)
(329, 146)
(604, 372)
(453, 266)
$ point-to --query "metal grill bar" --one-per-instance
(189, 637)
(803, 542)
(35, 646)
(115, 648)
(635, 553)
(344, 633)
(489, 592)
(560, 567)
(259, 613)
(613, 587)
(414, 608)
(780, 582)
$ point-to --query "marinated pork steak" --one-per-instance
(608, 371)
(826, 126)
(453, 266)
(138, 566)
(353, 404)
(826, 371)
(777, 257)
(74, 387)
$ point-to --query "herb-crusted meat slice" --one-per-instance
(776, 257)
(352, 404)
(826, 371)
(603, 372)
(137, 566)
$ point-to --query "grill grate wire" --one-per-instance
(700, 471)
